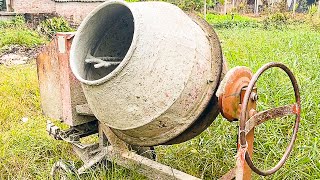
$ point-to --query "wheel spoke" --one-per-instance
(263, 116)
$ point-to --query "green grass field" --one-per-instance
(27, 152)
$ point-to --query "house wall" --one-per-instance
(73, 11)
(33, 6)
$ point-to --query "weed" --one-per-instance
(51, 26)
(15, 32)
(231, 21)
(312, 9)
(16, 22)
(314, 22)
(277, 21)
(27, 152)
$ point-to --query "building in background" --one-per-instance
(73, 10)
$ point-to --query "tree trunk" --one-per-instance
(256, 11)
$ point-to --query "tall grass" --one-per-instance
(27, 152)
(212, 153)
(15, 32)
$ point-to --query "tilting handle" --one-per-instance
(247, 124)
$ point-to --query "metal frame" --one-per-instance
(113, 149)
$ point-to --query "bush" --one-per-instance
(51, 26)
(231, 21)
(16, 22)
(312, 10)
(23, 37)
(15, 32)
(277, 21)
(315, 23)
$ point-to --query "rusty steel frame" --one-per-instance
(111, 148)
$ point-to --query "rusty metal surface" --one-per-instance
(230, 91)
(229, 175)
(244, 172)
(60, 91)
(278, 112)
(263, 116)
(165, 81)
(49, 84)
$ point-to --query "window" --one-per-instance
(3, 6)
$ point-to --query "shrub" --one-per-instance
(57, 24)
(15, 32)
(315, 23)
(23, 37)
(277, 21)
(16, 22)
(312, 10)
(231, 21)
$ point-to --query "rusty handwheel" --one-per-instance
(247, 124)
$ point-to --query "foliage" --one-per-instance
(315, 23)
(16, 22)
(303, 6)
(312, 9)
(230, 21)
(51, 26)
(277, 21)
(22, 37)
(15, 32)
(27, 151)
(278, 7)
(188, 5)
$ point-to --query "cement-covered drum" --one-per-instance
(148, 70)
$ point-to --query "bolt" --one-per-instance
(254, 96)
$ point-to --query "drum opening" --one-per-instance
(103, 42)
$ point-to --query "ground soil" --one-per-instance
(16, 55)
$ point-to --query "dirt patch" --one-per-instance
(16, 55)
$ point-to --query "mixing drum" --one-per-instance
(149, 71)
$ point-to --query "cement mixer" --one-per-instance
(145, 74)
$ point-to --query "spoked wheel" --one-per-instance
(247, 124)
(62, 170)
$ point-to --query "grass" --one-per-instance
(230, 21)
(16, 32)
(27, 152)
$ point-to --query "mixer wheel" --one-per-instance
(63, 170)
(247, 124)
